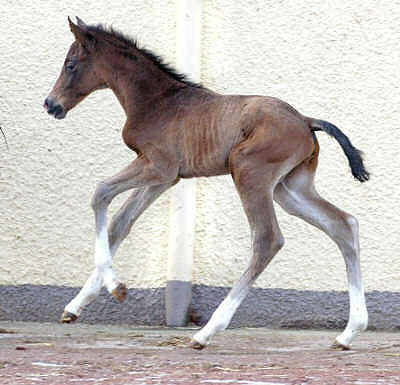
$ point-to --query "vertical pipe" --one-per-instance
(178, 293)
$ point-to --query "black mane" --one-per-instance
(129, 42)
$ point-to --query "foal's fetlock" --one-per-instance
(357, 324)
(339, 346)
(363, 322)
(201, 339)
(120, 292)
(196, 345)
(68, 317)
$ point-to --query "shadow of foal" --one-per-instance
(180, 129)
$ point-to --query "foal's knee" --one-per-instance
(101, 196)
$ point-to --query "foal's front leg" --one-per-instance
(141, 172)
(135, 205)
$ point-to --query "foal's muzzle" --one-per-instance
(54, 108)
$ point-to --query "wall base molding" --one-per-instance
(275, 308)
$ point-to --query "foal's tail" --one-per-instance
(353, 155)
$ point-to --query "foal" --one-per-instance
(182, 130)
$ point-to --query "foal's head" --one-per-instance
(79, 75)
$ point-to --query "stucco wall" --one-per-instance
(332, 60)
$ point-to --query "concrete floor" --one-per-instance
(50, 353)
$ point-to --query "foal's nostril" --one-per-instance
(46, 104)
(50, 106)
(57, 109)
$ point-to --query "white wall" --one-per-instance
(337, 61)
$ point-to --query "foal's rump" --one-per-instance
(279, 114)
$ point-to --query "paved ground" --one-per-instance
(49, 353)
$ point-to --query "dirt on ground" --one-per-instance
(49, 353)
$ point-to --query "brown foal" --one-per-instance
(181, 130)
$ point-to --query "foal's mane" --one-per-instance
(124, 43)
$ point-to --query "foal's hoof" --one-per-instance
(338, 346)
(120, 292)
(196, 345)
(68, 317)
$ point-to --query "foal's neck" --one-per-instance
(137, 82)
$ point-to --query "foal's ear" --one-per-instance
(81, 23)
(82, 35)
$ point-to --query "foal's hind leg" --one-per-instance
(255, 183)
(297, 195)
(120, 226)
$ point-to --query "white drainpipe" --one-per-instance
(178, 294)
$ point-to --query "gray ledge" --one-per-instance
(275, 308)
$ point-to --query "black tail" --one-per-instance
(353, 155)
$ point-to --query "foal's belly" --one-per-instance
(201, 162)
(209, 133)
(205, 152)
(198, 171)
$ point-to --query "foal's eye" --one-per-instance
(70, 67)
